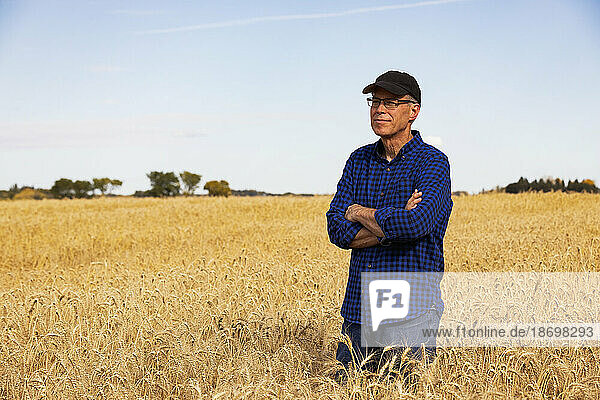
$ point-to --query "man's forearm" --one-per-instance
(364, 238)
(366, 216)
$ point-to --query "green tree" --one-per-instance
(101, 184)
(63, 188)
(225, 190)
(218, 188)
(546, 185)
(190, 181)
(81, 188)
(574, 186)
(512, 188)
(522, 185)
(163, 184)
(114, 183)
(558, 185)
(14, 189)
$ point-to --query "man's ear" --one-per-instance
(414, 112)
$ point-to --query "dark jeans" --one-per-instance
(379, 358)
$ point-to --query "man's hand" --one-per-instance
(364, 216)
(415, 198)
(353, 211)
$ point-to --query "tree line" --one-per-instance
(81, 189)
(167, 184)
(551, 185)
(162, 184)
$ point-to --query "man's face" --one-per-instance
(387, 122)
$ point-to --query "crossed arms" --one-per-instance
(370, 233)
(352, 225)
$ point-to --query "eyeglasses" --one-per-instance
(374, 102)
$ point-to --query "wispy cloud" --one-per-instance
(147, 129)
(154, 128)
(292, 17)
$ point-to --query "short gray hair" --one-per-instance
(412, 98)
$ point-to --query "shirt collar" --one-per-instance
(412, 144)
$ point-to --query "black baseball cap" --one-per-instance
(398, 83)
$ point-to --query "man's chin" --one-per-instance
(381, 133)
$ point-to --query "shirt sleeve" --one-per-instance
(341, 231)
(399, 224)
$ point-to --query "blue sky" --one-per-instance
(267, 94)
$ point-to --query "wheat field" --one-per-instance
(239, 298)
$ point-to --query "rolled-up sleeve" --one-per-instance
(399, 224)
(341, 231)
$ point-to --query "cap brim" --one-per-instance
(390, 87)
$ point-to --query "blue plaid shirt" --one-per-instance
(417, 235)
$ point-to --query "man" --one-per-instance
(391, 208)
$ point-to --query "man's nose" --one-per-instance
(380, 109)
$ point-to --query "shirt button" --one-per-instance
(382, 193)
(369, 266)
(387, 169)
(403, 157)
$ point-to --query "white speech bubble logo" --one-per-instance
(389, 299)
